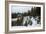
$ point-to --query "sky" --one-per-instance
(20, 9)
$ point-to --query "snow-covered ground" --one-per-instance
(34, 22)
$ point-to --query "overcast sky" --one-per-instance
(20, 9)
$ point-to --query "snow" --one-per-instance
(34, 22)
